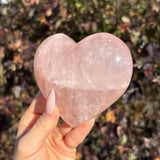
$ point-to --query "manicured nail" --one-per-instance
(38, 94)
(50, 102)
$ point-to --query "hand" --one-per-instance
(39, 138)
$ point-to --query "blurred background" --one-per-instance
(130, 128)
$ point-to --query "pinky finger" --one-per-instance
(78, 134)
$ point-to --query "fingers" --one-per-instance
(64, 128)
(32, 114)
(77, 135)
(44, 125)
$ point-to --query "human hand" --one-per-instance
(39, 138)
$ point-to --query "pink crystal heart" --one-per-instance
(87, 76)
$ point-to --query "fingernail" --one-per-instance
(50, 102)
(56, 134)
(38, 95)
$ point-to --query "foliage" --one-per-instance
(130, 130)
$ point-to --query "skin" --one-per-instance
(40, 138)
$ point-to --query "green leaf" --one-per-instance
(78, 4)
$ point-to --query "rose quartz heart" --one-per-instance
(87, 76)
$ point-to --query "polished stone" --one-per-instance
(87, 76)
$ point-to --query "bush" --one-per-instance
(130, 129)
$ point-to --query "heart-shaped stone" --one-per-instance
(87, 76)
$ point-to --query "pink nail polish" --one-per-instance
(50, 102)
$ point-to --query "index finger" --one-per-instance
(35, 109)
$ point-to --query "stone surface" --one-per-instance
(87, 76)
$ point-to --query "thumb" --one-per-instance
(45, 124)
